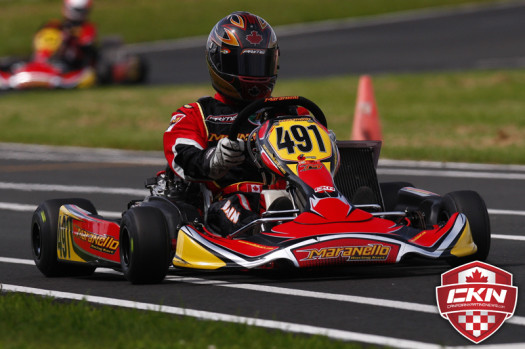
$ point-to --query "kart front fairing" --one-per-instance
(42, 74)
(323, 228)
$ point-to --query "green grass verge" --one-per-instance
(472, 116)
(138, 20)
(35, 322)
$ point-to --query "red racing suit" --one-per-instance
(189, 142)
(197, 127)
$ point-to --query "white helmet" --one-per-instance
(76, 10)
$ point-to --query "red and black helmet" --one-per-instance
(242, 55)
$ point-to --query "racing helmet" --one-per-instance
(242, 56)
(76, 10)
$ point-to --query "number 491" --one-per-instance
(297, 136)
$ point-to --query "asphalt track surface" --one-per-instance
(381, 305)
(388, 305)
(439, 40)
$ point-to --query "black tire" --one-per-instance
(144, 245)
(44, 225)
(473, 206)
(389, 191)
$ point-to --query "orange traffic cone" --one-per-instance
(366, 119)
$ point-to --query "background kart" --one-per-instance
(114, 66)
(329, 210)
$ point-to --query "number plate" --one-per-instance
(292, 138)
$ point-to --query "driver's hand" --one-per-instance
(227, 154)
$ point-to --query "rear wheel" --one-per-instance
(144, 245)
(44, 225)
(472, 205)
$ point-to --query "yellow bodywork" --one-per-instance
(465, 245)
(89, 78)
(190, 254)
(65, 250)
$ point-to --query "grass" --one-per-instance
(139, 21)
(472, 116)
(35, 322)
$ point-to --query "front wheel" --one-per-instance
(144, 245)
(44, 225)
(472, 205)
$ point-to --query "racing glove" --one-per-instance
(227, 154)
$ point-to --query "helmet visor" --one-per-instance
(253, 62)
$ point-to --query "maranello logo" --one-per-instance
(476, 298)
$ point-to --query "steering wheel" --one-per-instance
(275, 102)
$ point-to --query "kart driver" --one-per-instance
(242, 56)
(78, 47)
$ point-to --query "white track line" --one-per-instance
(8, 206)
(212, 316)
(72, 188)
(450, 174)
(386, 166)
(508, 237)
(41, 153)
(401, 305)
(379, 302)
(506, 212)
(17, 261)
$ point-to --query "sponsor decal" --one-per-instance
(254, 38)
(283, 98)
(256, 245)
(231, 213)
(222, 119)
(476, 298)
(102, 243)
(371, 252)
(215, 137)
(307, 165)
(255, 51)
(255, 188)
(175, 119)
(324, 188)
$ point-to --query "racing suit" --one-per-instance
(78, 47)
(189, 141)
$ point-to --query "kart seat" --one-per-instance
(277, 200)
(282, 203)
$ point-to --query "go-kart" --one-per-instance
(331, 211)
(45, 70)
